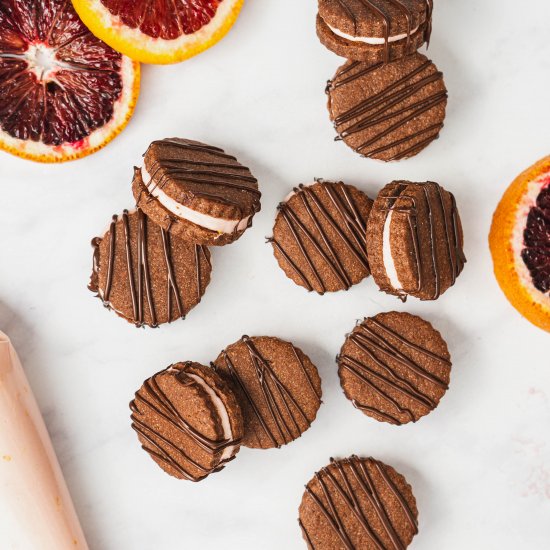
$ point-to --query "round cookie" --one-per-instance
(415, 240)
(319, 236)
(277, 385)
(375, 31)
(196, 191)
(146, 275)
(394, 367)
(358, 503)
(188, 420)
(388, 112)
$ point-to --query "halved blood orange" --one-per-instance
(159, 31)
(520, 243)
(63, 93)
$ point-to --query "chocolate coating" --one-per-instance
(277, 385)
(388, 111)
(358, 503)
(179, 425)
(146, 275)
(319, 236)
(394, 367)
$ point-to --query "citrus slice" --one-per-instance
(520, 244)
(159, 31)
(63, 93)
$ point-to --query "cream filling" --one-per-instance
(221, 410)
(373, 40)
(387, 258)
(184, 212)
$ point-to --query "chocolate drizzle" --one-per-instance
(349, 227)
(378, 351)
(358, 491)
(284, 419)
(153, 399)
(219, 177)
(350, 9)
(136, 263)
(381, 114)
(434, 200)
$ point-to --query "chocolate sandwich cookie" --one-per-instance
(196, 191)
(394, 367)
(319, 236)
(358, 504)
(374, 30)
(388, 111)
(188, 420)
(277, 385)
(415, 240)
(145, 274)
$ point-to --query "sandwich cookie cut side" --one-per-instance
(319, 236)
(415, 240)
(358, 503)
(146, 275)
(188, 420)
(388, 111)
(394, 367)
(196, 191)
(277, 385)
(375, 31)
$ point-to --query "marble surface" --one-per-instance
(479, 465)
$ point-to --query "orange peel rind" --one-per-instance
(506, 242)
(147, 49)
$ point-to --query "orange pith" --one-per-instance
(508, 221)
(140, 46)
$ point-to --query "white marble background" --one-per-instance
(479, 465)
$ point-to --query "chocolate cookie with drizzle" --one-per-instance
(358, 503)
(277, 385)
(388, 111)
(394, 367)
(145, 274)
(188, 420)
(319, 236)
(415, 240)
(375, 31)
(196, 191)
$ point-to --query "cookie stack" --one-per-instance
(329, 236)
(261, 392)
(153, 265)
(387, 101)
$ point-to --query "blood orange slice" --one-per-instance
(159, 31)
(63, 93)
(520, 243)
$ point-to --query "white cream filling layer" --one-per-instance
(184, 212)
(373, 40)
(221, 410)
(387, 258)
